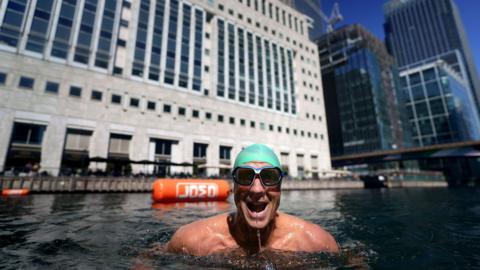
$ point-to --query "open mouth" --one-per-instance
(256, 207)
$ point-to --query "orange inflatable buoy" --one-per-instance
(190, 190)
(11, 192)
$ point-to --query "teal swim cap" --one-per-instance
(257, 152)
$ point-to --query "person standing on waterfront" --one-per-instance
(257, 224)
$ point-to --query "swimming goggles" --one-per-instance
(269, 175)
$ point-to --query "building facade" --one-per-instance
(364, 108)
(172, 81)
(420, 31)
(439, 105)
(313, 9)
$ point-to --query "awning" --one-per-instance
(457, 152)
(220, 166)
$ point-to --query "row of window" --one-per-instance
(119, 145)
(273, 31)
(200, 152)
(52, 87)
(70, 12)
(274, 12)
(265, 79)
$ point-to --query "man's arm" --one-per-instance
(181, 240)
(319, 239)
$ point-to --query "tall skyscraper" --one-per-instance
(170, 81)
(360, 79)
(420, 31)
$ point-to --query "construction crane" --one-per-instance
(335, 16)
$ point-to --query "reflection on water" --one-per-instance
(379, 229)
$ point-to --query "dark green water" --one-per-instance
(377, 229)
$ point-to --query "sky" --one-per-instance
(369, 13)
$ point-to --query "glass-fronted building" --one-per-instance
(439, 105)
(158, 80)
(420, 31)
(364, 110)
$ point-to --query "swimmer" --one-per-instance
(257, 224)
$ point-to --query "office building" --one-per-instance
(439, 105)
(95, 84)
(313, 9)
(421, 31)
(364, 110)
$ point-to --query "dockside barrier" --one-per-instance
(78, 184)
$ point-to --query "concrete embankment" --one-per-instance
(120, 184)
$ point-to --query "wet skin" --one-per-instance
(256, 215)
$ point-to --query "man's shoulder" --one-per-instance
(199, 236)
(308, 236)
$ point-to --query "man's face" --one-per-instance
(257, 203)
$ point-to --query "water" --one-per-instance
(377, 229)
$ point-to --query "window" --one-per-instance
(252, 124)
(220, 118)
(121, 43)
(429, 74)
(230, 11)
(232, 120)
(27, 133)
(26, 82)
(181, 111)
(200, 150)
(279, 129)
(75, 91)
(262, 126)
(151, 105)
(51, 87)
(167, 108)
(3, 78)
(225, 152)
(195, 113)
(116, 99)
(119, 144)
(242, 122)
(123, 23)
(117, 70)
(77, 140)
(96, 95)
(220, 6)
(134, 102)
(208, 115)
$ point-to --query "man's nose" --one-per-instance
(257, 186)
